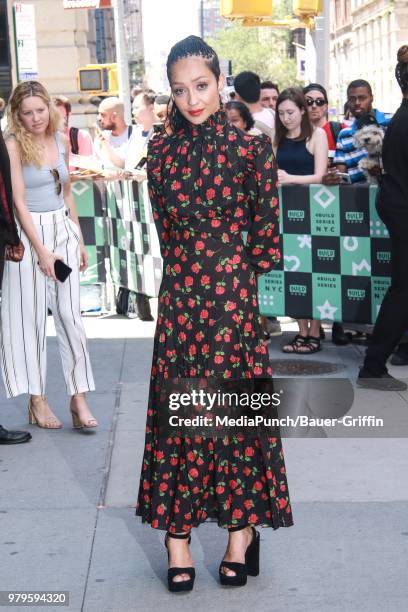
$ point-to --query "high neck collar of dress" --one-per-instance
(215, 122)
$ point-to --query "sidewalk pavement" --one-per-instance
(67, 517)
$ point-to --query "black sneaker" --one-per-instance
(383, 382)
(339, 337)
(400, 357)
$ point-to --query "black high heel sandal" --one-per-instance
(242, 570)
(181, 585)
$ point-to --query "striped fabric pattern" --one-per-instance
(346, 152)
(26, 295)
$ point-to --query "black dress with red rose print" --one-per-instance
(207, 184)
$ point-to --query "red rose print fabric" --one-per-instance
(207, 184)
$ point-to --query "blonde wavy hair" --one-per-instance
(31, 152)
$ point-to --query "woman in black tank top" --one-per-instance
(301, 152)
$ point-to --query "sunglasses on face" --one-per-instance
(317, 101)
(56, 177)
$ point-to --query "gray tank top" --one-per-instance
(41, 186)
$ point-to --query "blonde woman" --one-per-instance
(49, 229)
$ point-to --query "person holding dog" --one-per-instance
(392, 207)
(347, 157)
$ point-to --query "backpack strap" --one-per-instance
(73, 139)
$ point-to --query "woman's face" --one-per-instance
(290, 114)
(235, 118)
(34, 115)
(195, 89)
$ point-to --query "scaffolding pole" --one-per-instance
(121, 58)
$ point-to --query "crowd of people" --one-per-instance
(213, 170)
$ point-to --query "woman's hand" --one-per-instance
(83, 257)
(46, 261)
(284, 178)
(15, 253)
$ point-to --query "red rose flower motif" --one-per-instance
(219, 290)
(193, 472)
(177, 268)
(219, 489)
(205, 349)
(221, 159)
(204, 314)
(218, 359)
(188, 281)
(195, 268)
(226, 192)
(282, 502)
(218, 179)
(258, 485)
(210, 193)
(230, 305)
(237, 514)
(205, 280)
(253, 518)
(163, 486)
(181, 319)
(199, 245)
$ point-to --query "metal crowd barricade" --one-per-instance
(335, 262)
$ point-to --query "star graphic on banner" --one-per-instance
(304, 241)
(327, 310)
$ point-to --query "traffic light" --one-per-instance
(235, 9)
(98, 80)
(307, 7)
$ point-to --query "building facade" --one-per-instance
(211, 21)
(134, 39)
(365, 37)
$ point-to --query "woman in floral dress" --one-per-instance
(208, 182)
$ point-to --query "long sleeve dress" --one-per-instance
(207, 184)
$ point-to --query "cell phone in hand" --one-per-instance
(141, 163)
(62, 271)
(344, 177)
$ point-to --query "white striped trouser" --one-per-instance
(26, 295)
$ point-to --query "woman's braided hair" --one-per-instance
(192, 46)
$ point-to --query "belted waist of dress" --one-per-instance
(196, 225)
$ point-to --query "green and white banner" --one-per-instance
(335, 256)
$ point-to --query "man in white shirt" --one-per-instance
(247, 87)
(143, 114)
(269, 95)
(112, 142)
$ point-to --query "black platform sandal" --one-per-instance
(180, 585)
(242, 570)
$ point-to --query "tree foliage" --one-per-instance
(263, 50)
(252, 48)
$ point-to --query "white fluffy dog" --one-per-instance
(370, 138)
